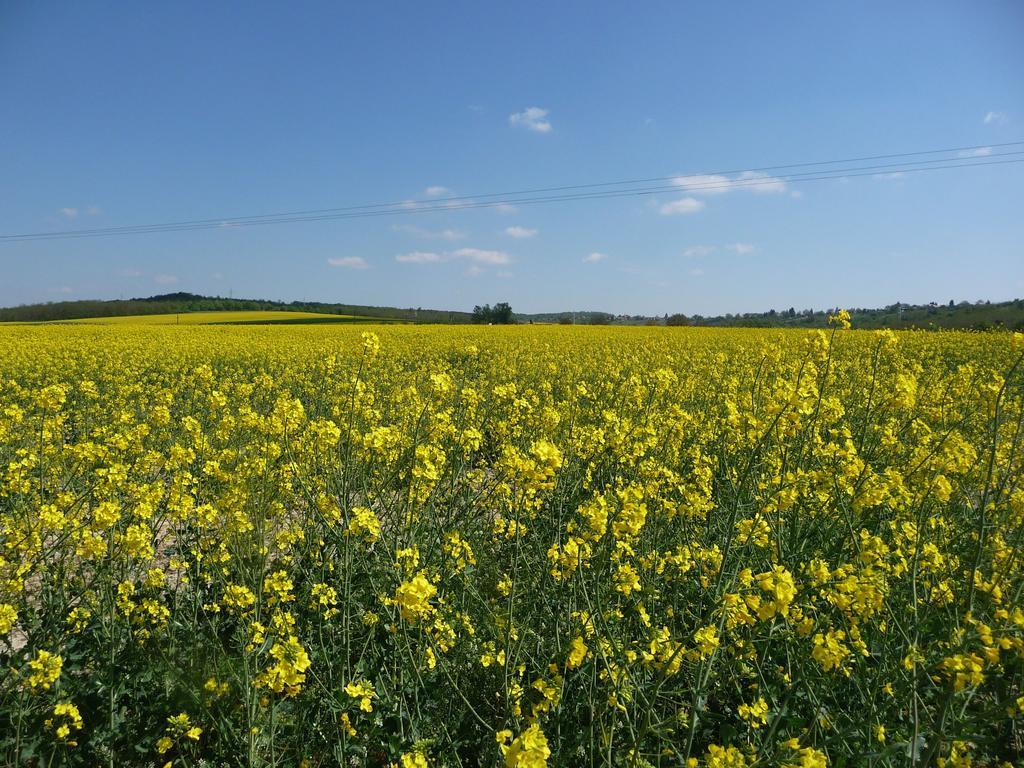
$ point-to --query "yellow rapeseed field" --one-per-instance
(438, 546)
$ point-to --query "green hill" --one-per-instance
(170, 303)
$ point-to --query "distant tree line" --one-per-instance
(499, 314)
(979, 315)
(170, 303)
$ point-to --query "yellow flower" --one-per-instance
(491, 655)
(178, 727)
(528, 750)
(278, 588)
(326, 598)
(363, 523)
(414, 760)
(288, 673)
(45, 670)
(841, 319)
(371, 344)
(215, 687)
(706, 639)
(8, 617)
(504, 585)
(964, 670)
(66, 718)
(346, 725)
(830, 651)
(413, 597)
(459, 550)
(809, 758)
(724, 757)
(577, 652)
(627, 580)
(779, 586)
(364, 691)
(756, 714)
(547, 453)
(959, 756)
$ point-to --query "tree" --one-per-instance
(482, 315)
(502, 314)
(499, 314)
(677, 319)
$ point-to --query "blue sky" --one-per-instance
(131, 113)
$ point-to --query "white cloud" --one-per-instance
(69, 212)
(704, 183)
(718, 184)
(504, 273)
(698, 250)
(61, 289)
(431, 234)
(436, 191)
(506, 208)
(593, 258)
(165, 279)
(760, 182)
(130, 272)
(419, 257)
(481, 256)
(696, 271)
(978, 152)
(475, 255)
(741, 249)
(450, 234)
(532, 118)
(681, 206)
(94, 210)
(520, 232)
(994, 117)
(349, 262)
(889, 176)
(475, 270)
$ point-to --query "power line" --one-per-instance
(538, 190)
(749, 177)
(185, 227)
(440, 204)
(430, 207)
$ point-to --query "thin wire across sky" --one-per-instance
(705, 182)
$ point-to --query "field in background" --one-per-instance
(227, 318)
(188, 303)
(424, 546)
